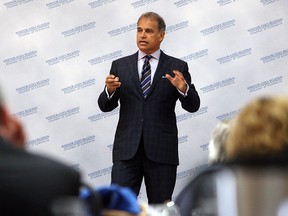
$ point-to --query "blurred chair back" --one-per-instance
(70, 206)
(237, 191)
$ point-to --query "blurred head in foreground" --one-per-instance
(260, 131)
(10, 128)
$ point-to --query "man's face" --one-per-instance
(148, 35)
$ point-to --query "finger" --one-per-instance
(110, 76)
(115, 85)
(177, 73)
(110, 80)
(168, 76)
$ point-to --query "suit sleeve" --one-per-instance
(108, 104)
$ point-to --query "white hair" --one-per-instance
(218, 141)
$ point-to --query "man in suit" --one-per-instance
(29, 183)
(146, 139)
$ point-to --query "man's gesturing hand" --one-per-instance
(178, 80)
(112, 83)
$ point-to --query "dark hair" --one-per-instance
(157, 17)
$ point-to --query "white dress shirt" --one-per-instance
(153, 63)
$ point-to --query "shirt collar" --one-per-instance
(155, 55)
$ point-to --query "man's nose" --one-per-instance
(143, 34)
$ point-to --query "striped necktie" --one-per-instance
(146, 76)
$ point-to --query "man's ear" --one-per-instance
(11, 129)
(162, 35)
(3, 116)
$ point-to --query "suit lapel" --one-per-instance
(162, 69)
(133, 67)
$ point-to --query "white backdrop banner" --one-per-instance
(55, 55)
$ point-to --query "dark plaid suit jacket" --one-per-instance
(154, 116)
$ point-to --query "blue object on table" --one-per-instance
(115, 197)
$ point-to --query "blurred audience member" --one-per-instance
(258, 136)
(218, 141)
(29, 183)
(201, 185)
(260, 133)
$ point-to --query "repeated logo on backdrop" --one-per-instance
(57, 54)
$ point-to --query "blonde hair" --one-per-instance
(260, 129)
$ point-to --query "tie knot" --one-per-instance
(147, 57)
